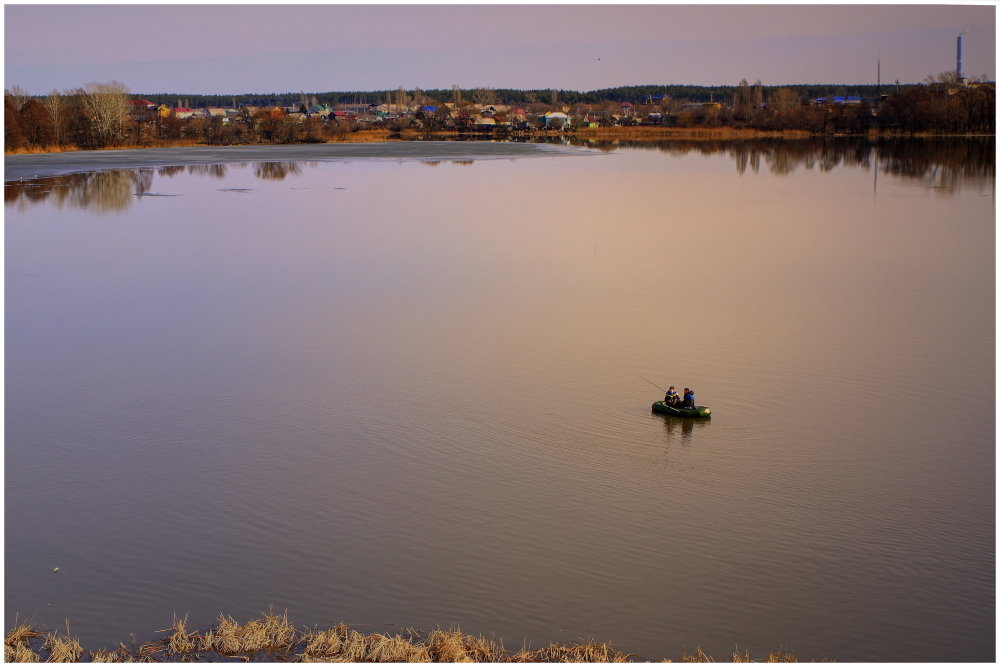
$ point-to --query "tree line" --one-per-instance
(506, 96)
(98, 115)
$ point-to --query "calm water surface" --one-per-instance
(398, 393)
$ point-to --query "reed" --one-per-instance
(582, 652)
(321, 645)
(121, 654)
(62, 648)
(454, 646)
(744, 656)
(271, 633)
(21, 634)
(273, 638)
(181, 642)
(19, 653)
(15, 644)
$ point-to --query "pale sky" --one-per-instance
(257, 48)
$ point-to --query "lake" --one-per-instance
(415, 391)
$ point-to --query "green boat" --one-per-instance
(696, 411)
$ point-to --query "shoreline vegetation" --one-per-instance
(598, 134)
(272, 638)
(102, 115)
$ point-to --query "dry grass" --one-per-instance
(62, 648)
(454, 646)
(15, 644)
(582, 652)
(181, 642)
(273, 638)
(271, 633)
(120, 655)
(70, 148)
(362, 136)
(744, 656)
(20, 635)
(19, 653)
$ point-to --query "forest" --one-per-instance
(100, 115)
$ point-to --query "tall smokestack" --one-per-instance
(958, 68)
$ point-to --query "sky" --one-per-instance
(262, 48)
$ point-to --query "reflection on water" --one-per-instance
(939, 163)
(683, 428)
(944, 165)
(114, 190)
(212, 170)
(101, 191)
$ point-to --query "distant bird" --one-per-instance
(55, 569)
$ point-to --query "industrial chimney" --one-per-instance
(958, 67)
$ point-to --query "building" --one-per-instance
(848, 99)
(555, 120)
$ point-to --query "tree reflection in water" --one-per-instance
(102, 191)
(944, 164)
(278, 171)
(212, 170)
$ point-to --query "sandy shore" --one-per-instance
(56, 164)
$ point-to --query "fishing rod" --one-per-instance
(653, 383)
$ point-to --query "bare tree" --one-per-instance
(56, 105)
(484, 96)
(106, 108)
(948, 78)
(784, 99)
(18, 96)
(742, 100)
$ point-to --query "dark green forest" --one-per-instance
(509, 96)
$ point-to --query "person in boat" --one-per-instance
(688, 398)
(671, 397)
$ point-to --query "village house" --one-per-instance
(140, 110)
(321, 110)
(849, 99)
(386, 110)
(555, 120)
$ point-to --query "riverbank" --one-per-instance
(272, 638)
(633, 133)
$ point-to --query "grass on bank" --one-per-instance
(272, 638)
(360, 136)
